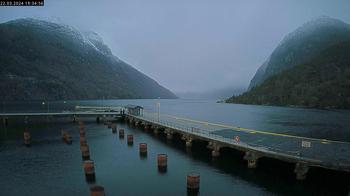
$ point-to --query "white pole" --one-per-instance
(158, 108)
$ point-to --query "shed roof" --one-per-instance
(130, 106)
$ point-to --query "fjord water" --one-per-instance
(50, 167)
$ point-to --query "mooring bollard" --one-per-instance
(85, 153)
(130, 139)
(121, 133)
(97, 191)
(143, 149)
(27, 138)
(162, 160)
(114, 128)
(89, 169)
(193, 181)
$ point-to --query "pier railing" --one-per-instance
(320, 152)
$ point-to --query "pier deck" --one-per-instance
(303, 151)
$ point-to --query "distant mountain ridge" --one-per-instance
(218, 94)
(311, 67)
(302, 45)
(46, 60)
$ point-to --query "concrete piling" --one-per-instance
(169, 134)
(193, 181)
(143, 149)
(189, 142)
(156, 131)
(82, 133)
(85, 152)
(63, 134)
(301, 170)
(83, 141)
(121, 133)
(97, 190)
(27, 138)
(89, 169)
(162, 160)
(114, 128)
(130, 139)
(5, 121)
(81, 125)
(252, 159)
(215, 150)
(146, 127)
(66, 137)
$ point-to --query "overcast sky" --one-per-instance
(188, 45)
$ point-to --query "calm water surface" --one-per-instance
(51, 167)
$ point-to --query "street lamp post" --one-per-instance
(43, 103)
(158, 108)
(64, 105)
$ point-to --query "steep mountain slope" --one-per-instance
(324, 82)
(44, 60)
(302, 45)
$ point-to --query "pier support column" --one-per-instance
(301, 170)
(252, 159)
(188, 140)
(210, 145)
(5, 121)
(156, 130)
(169, 134)
(147, 127)
(215, 150)
(136, 123)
